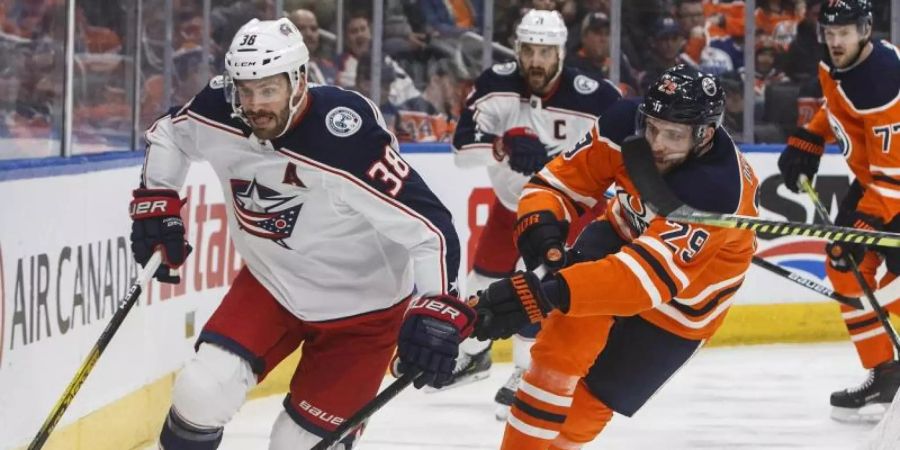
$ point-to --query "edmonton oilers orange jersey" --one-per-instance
(680, 277)
(862, 113)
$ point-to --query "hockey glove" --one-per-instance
(508, 305)
(157, 224)
(838, 252)
(430, 336)
(540, 238)
(527, 154)
(801, 156)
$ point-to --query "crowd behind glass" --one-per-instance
(431, 55)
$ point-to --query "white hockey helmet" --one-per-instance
(262, 48)
(543, 28)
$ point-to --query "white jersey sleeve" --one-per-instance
(171, 146)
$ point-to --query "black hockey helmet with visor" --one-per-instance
(687, 96)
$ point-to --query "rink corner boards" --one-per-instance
(133, 422)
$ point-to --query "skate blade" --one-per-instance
(867, 414)
(468, 379)
(501, 413)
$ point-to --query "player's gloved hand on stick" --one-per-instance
(540, 238)
(801, 156)
(430, 336)
(157, 224)
(527, 154)
(509, 304)
(838, 252)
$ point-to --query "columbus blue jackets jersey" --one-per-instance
(501, 101)
(328, 217)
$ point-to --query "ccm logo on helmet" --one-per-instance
(436, 306)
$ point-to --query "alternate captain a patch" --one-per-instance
(264, 212)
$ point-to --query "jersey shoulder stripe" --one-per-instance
(210, 104)
(500, 78)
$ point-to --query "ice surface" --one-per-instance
(769, 397)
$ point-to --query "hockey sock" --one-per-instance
(180, 435)
(539, 410)
(587, 418)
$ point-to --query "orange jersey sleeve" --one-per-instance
(574, 181)
(819, 126)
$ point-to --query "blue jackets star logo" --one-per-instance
(264, 212)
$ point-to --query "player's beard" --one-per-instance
(272, 127)
(538, 79)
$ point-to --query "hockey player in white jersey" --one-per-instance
(337, 231)
(519, 115)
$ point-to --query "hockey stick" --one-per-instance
(125, 305)
(366, 411)
(656, 193)
(867, 290)
(807, 283)
(793, 277)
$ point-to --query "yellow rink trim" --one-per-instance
(134, 421)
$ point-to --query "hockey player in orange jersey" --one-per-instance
(643, 293)
(860, 79)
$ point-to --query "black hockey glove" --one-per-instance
(157, 224)
(509, 304)
(430, 336)
(527, 154)
(540, 238)
(838, 252)
(801, 156)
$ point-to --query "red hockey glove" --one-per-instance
(527, 154)
(157, 224)
(430, 336)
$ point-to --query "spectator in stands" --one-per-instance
(452, 17)
(733, 120)
(321, 70)
(774, 13)
(691, 21)
(731, 45)
(444, 90)
(358, 44)
(804, 53)
(593, 55)
(666, 46)
(364, 86)
(325, 10)
(400, 39)
(432, 116)
(767, 71)
(698, 50)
